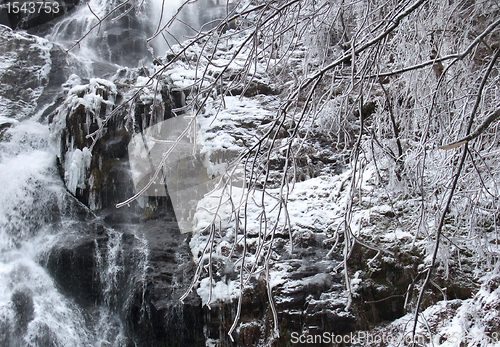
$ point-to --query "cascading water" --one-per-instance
(121, 264)
(121, 38)
(32, 311)
(38, 215)
(35, 213)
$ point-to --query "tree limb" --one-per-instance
(480, 129)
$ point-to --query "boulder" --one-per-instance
(142, 282)
(100, 178)
(24, 307)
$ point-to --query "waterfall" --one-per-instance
(39, 216)
(120, 274)
(121, 38)
(32, 311)
(35, 215)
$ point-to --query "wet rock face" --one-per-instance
(145, 299)
(168, 322)
(24, 308)
(101, 178)
(32, 73)
(72, 265)
(124, 41)
(23, 77)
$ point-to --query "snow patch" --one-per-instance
(221, 291)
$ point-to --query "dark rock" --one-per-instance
(24, 308)
(4, 125)
(249, 334)
(313, 301)
(310, 295)
(179, 98)
(52, 96)
(107, 180)
(117, 217)
(35, 70)
(381, 296)
(367, 110)
(387, 283)
(255, 88)
(146, 300)
(72, 265)
(167, 322)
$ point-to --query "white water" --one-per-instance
(33, 216)
(32, 311)
(121, 41)
(111, 269)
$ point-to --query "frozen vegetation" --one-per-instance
(367, 138)
(348, 145)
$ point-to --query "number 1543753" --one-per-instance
(33, 7)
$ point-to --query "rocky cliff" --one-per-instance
(135, 263)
